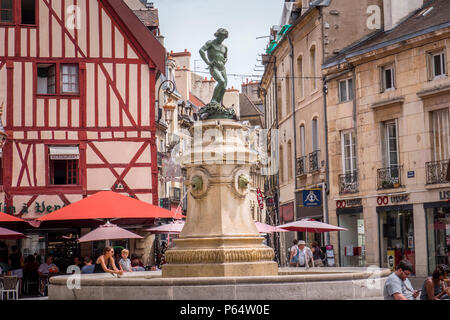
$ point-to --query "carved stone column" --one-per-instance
(219, 238)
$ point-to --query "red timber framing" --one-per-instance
(112, 104)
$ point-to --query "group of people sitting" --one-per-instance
(302, 256)
(398, 286)
(106, 263)
(32, 270)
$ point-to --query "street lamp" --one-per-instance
(168, 109)
(3, 135)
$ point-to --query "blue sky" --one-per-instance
(188, 24)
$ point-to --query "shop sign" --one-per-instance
(349, 203)
(260, 198)
(41, 208)
(312, 198)
(270, 202)
(444, 195)
(384, 200)
(400, 198)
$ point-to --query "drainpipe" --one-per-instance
(293, 122)
(325, 185)
(277, 178)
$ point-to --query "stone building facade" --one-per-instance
(389, 140)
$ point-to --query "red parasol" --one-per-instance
(109, 205)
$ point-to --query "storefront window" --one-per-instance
(352, 241)
(438, 224)
(33, 244)
(396, 237)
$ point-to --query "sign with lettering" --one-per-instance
(384, 200)
(260, 198)
(349, 203)
(411, 174)
(39, 207)
(444, 195)
(400, 198)
(312, 198)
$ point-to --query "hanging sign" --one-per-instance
(312, 198)
(260, 198)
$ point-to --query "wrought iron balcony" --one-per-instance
(437, 172)
(348, 183)
(390, 178)
(301, 166)
(314, 164)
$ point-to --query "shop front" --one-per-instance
(352, 243)
(438, 233)
(396, 234)
(62, 244)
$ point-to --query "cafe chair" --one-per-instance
(9, 285)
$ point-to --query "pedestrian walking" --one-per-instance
(317, 254)
(293, 254)
(305, 257)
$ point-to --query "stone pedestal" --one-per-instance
(219, 238)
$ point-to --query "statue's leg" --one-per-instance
(225, 84)
(220, 88)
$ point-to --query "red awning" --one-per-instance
(9, 234)
(9, 218)
(109, 205)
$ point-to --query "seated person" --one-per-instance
(125, 263)
(44, 270)
(135, 265)
(88, 266)
(48, 266)
(434, 287)
(105, 263)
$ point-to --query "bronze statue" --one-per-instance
(215, 55)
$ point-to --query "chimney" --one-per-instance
(396, 10)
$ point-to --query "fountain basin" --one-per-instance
(290, 284)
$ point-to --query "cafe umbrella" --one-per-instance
(108, 232)
(10, 234)
(107, 205)
(177, 226)
(310, 225)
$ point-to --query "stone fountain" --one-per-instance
(220, 254)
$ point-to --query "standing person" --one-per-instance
(88, 266)
(125, 263)
(294, 254)
(3, 265)
(434, 287)
(105, 263)
(317, 254)
(305, 255)
(395, 288)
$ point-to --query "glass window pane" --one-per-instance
(343, 91)
(350, 89)
(437, 65)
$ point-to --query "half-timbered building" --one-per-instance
(77, 78)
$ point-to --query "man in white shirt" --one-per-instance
(305, 255)
(44, 270)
